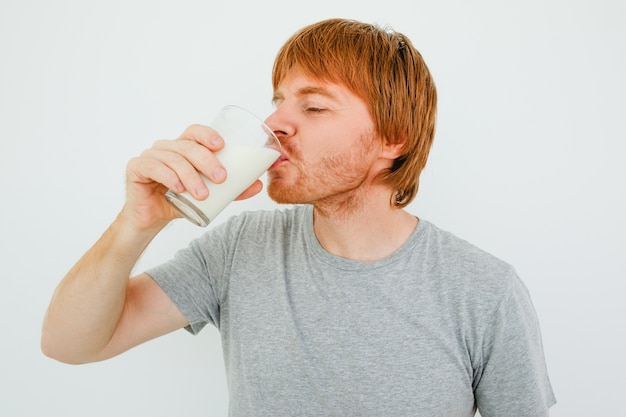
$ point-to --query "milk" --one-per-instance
(243, 164)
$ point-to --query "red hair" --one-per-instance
(384, 69)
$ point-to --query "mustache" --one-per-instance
(288, 150)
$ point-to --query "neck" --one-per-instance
(365, 228)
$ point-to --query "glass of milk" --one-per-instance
(250, 148)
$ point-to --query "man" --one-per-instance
(344, 304)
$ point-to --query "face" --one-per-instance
(330, 150)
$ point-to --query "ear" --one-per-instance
(391, 150)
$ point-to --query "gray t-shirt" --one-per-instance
(438, 328)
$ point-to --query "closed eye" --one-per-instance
(314, 110)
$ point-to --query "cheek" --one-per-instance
(330, 147)
(321, 148)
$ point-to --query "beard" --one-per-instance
(333, 179)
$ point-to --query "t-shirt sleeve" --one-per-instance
(513, 379)
(194, 278)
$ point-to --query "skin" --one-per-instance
(331, 156)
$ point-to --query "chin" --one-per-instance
(281, 196)
(282, 193)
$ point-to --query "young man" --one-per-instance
(345, 304)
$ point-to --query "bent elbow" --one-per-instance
(49, 350)
(61, 352)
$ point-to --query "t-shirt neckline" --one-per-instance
(342, 263)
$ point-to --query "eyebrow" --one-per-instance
(305, 91)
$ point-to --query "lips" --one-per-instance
(282, 158)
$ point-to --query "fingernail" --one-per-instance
(219, 173)
(202, 191)
(215, 141)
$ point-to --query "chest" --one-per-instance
(348, 341)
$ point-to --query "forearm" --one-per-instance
(88, 303)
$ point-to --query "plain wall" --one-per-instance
(528, 164)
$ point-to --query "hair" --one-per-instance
(383, 68)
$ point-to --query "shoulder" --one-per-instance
(457, 256)
(474, 279)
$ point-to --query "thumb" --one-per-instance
(252, 190)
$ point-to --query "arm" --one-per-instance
(513, 378)
(98, 312)
(96, 299)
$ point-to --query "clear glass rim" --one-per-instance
(273, 141)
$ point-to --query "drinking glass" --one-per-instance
(250, 148)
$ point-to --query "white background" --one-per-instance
(528, 164)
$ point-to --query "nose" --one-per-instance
(280, 124)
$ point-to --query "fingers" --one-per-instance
(170, 169)
(201, 157)
(146, 170)
(177, 164)
(205, 136)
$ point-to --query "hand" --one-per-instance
(174, 164)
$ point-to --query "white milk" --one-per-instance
(243, 164)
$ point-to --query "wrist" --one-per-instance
(131, 235)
